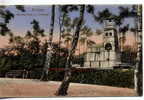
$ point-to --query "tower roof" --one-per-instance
(109, 18)
(109, 23)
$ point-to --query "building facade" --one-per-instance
(107, 55)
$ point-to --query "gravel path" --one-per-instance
(35, 88)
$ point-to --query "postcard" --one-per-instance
(71, 50)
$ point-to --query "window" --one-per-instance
(108, 47)
(106, 34)
(110, 34)
(110, 20)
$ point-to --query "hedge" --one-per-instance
(118, 78)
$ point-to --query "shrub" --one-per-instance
(118, 78)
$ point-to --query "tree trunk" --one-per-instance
(61, 22)
(86, 45)
(49, 47)
(139, 70)
(138, 78)
(60, 34)
(79, 49)
(52, 24)
(67, 77)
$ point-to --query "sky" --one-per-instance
(21, 22)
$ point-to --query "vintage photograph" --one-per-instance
(71, 51)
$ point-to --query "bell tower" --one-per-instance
(110, 34)
(107, 55)
(111, 48)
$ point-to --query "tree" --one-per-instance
(66, 81)
(90, 9)
(30, 40)
(37, 31)
(60, 31)
(129, 54)
(28, 48)
(23, 46)
(138, 69)
(49, 46)
(103, 15)
(66, 24)
(122, 38)
(136, 13)
(6, 15)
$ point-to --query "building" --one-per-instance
(107, 55)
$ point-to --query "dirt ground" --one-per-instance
(35, 88)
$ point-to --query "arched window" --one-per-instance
(108, 47)
(106, 34)
(110, 20)
(110, 34)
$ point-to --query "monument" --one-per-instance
(107, 55)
